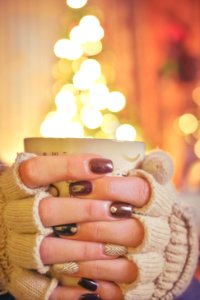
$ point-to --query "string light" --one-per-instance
(92, 118)
(98, 96)
(76, 3)
(126, 132)
(188, 123)
(116, 101)
(82, 106)
(68, 49)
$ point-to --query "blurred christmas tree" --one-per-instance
(84, 104)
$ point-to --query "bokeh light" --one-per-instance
(98, 96)
(126, 132)
(196, 95)
(91, 68)
(66, 104)
(76, 3)
(188, 123)
(91, 118)
(68, 49)
(116, 101)
(197, 148)
(110, 123)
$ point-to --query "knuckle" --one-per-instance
(91, 210)
(46, 250)
(96, 229)
(46, 211)
(96, 270)
(28, 172)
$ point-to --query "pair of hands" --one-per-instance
(91, 212)
(125, 234)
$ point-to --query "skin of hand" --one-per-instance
(90, 211)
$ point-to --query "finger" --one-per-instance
(55, 250)
(129, 233)
(55, 211)
(105, 290)
(118, 270)
(132, 189)
(43, 170)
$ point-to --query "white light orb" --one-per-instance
(76, 3)
(116, 101)
(98, 96)
(91, 30)
(74, 129)
(126, 132)
(53, 126)
(81, 81)
(66, 104)
(88, 21)
(65, 48)
(91, 69)
(91, 117)
(188, 123)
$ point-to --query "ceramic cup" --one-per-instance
(125, 155)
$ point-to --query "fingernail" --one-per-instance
(113, 250)
(66, 230)
(80, 188)
(101, 166)
(88, 284)
(67, 268)
(121, 210)
(90, 297)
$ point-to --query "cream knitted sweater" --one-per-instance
(166, 260)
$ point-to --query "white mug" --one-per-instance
(125, 155)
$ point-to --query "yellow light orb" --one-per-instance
(197, 148)
(65, 48)
(91, 117)
(110, 123)
(91, 68)
(194, 175)
(76, 3)
(92, 48)
(196, 95)
(125, 132)
(98, 96)
(69, 87)
(116, 101)
(188, 123)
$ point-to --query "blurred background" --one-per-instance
(125, 69)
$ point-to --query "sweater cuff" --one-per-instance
(29, 285)
(11, 184)
(161, 199)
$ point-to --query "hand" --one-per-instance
(50, 211)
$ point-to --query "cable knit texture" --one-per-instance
(21, 234)
(167, 258)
